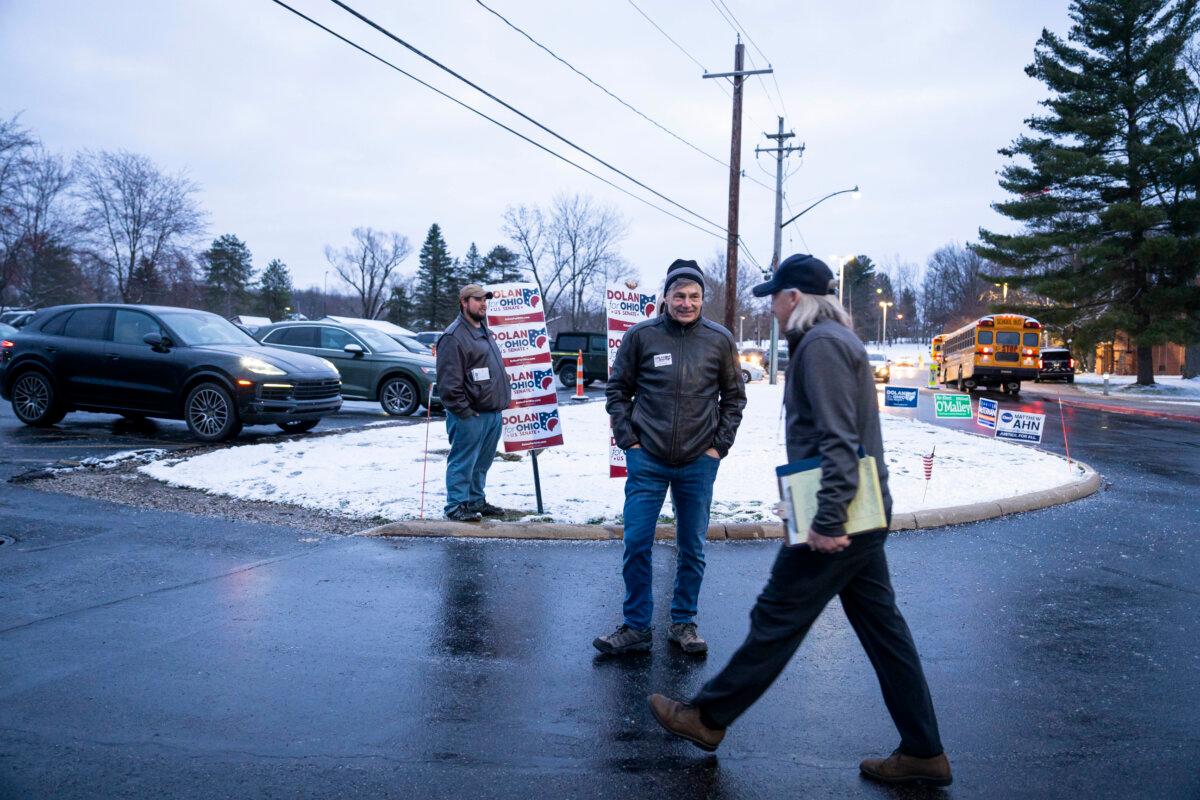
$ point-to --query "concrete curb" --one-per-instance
(931, 518)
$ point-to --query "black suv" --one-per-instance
(150, 361)
(1055, 364)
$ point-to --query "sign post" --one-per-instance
(518, 324)
(626, 307)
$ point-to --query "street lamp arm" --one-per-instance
(814, 205)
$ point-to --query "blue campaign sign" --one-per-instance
(898, 396)
(988, 409)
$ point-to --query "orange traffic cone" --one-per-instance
(579, 376)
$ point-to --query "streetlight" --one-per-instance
(1004, 291)
(742, 329)
(885, 305)
(325, 297)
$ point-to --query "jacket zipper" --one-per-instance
(678, 395)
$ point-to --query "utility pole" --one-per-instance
(781, 152)
(735, 176)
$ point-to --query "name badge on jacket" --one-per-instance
(480, 374)
(662, 360)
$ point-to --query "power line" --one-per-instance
(517, 111)
(494, 121)
(739, 27)
(693, 59)
(602, 88)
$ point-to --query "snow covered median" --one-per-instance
(376, 473)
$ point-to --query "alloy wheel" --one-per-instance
(209, 412)
(399, 395)
(31, 396)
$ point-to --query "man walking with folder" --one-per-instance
(832, 412)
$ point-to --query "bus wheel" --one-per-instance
(1014, 388)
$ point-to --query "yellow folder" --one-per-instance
(798, 486)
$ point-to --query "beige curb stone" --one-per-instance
(745, 531)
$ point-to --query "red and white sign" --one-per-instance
(518, 325)
(626, 307)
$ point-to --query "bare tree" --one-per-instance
(954, 289)
(369, 266)
(16, 145)
(137, 216)
(569, 251)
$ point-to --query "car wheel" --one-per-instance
(34, 401)
(399, 397)
(297, 425)
(210, 413)
(566, 374)
(745, 376)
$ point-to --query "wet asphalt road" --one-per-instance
(152, 654)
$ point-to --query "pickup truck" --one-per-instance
(564, 354)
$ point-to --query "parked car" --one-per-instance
(1056, 364)
(429, 337)
(880, 366)
(17, 318)
(373, 366)
(564, 356)
(7, 330)
(156, 361)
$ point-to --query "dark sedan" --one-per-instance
(150, 361)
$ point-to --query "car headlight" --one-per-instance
(260, 367)
(429, 370)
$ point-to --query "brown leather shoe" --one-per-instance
(899, 768)
(683, 720)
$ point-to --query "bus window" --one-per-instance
(1008, 337)
(985, 337)
(1031, 339)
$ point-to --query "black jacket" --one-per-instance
(676, 390)
(832, 410)
(461, 350)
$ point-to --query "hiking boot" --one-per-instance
(463, 514)
(684, 634)
(899, 768)
(683, 720)
(487, 509)
(624, 640)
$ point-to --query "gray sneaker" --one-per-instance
(624, 640)
(684, 634)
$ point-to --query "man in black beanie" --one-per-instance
(675, 400)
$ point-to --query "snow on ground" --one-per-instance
(1165, 386)
(377, 473)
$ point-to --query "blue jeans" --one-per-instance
(472, 449)
(646, 487)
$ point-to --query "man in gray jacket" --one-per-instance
(832, 412)
(675, 399)
(473, 387)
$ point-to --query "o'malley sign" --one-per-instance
(952, 406)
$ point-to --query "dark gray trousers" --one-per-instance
(802, 583)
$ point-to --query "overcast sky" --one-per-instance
(295, 138)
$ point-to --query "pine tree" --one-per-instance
(502, 265)
(399, 308)
(436, 298)
(227, 275)
(473, 269)
(1105, 185)
(275, 290)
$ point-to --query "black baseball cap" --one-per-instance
(807, 273)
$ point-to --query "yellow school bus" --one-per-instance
(996, 351)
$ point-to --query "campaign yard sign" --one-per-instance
(986, 416)
(626, 307)
(518, 324)
(1020, 426)
(952, 406)
(899, 397)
